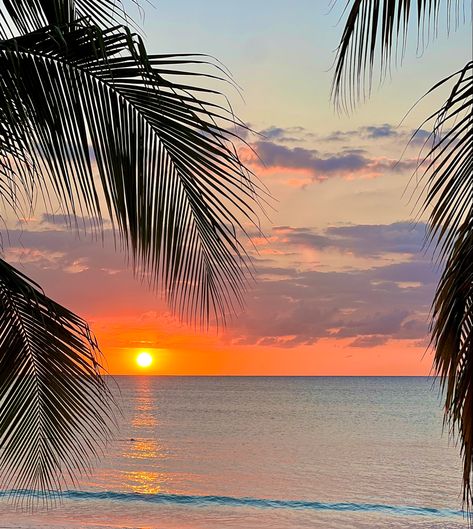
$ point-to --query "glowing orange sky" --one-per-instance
(342, 286)
(184, 352)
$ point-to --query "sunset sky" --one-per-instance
(342, 286)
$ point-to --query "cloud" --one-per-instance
(60, 249)
(387, 299)
(369, 341)
(308, 306)
(87, 275)
(299, 157)
(287, 134)
(73, 221)
(382, 131)
(387, 323)
(374, 132)
(370, 240)
(40, 257)
(290, 305)
(370, 132)
(300, 237)
(318, 167)
(421, 138)
(373, 240)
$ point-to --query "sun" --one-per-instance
(144, 359)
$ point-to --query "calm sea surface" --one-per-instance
(279, 453)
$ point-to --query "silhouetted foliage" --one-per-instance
(446, 185)
(95, 125)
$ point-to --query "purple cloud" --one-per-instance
(362, 240)
(288, 306)
(347, 163)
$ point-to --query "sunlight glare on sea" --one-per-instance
(272, 453)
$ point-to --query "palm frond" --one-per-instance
(19, 17)
(447, 180)
(384, 25)
(447, 167)
(56, 410)
(452, 337)
(447, 183)
(95, 116)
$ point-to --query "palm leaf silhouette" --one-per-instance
(26, 16)
(56, 410)
(172, 183)
(376, 31)
(446, 185)
(95, 126)
(449, 194)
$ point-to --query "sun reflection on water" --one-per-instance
(146, 420)
(145, 482)
(143, 449)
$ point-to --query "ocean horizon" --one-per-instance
(240, 452)
(275, 196)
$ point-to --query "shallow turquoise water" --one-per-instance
(266, 452)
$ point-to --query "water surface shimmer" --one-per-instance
(268, 452)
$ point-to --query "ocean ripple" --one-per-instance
(260, 503)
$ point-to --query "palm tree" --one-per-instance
(381, 26)
(93, 124)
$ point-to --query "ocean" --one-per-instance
(267, 452)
